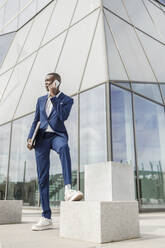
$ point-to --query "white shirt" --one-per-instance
(48, 109)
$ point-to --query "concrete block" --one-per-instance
(109, 181)
(10, 211)
(99, 221)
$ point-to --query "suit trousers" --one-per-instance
(42, 148)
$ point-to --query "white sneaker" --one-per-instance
(43, 223)
(73, 195)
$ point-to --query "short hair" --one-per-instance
(57, 76)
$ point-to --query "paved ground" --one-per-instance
(152, 226)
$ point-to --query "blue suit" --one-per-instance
(57, 141)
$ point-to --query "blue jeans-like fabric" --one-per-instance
(42, 153)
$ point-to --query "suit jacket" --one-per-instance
(60, 112)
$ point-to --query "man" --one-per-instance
(52, 110)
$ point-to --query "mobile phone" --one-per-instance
(57, 83)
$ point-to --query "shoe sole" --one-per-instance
(76, 197)
(42, 228)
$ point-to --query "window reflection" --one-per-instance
(22, 170)
(122, 126)
(162, 2)
(4, 154)
(92, 128)
(162, 86)
(150, 138)
(121, 83)
(149, 90)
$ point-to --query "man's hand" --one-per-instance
(29, 145)
(53, 89)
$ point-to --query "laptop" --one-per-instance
(33, 139)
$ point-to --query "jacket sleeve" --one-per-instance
(62, 109)
(34, 123)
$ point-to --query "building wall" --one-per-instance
(110, 55)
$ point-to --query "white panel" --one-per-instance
(15, 48)
(27, 13)
(117, 7)
(11, 9)
(158, 18)
(156, 54)
(14, 89)
(84, 7)
(116, 67)
(96, 67)
(41, 4)
(75, 52)
(5, 42)
(23, 3)
(1, 18)
(140, 17)
(60, 19)
(45, 63)
(36, 33)
(13, 26)
(4, 81)
(131, 51)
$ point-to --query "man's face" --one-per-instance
(48, 80)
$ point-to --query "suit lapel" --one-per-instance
(45, 100)
(44, 104)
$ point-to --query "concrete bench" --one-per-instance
(109, 181)
(10, 211)
(99, 221)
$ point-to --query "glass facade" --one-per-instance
(122, 126)
(92, 129)
(22, 171)
(135, 54)
(161, 1)
(111, 61)
(150, 142)
(4, 157)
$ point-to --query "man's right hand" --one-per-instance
(29, 145)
